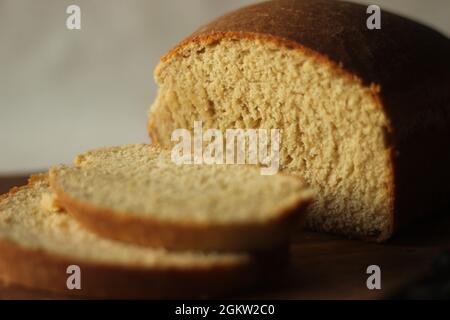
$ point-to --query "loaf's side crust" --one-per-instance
(38, 269)
(184, 235)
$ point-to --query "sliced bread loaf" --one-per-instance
(364, 113)
(136, 193)
(38, 243)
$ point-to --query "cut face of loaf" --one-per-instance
(357, 108)
(332, 126)
(136, 193)
(37, 244)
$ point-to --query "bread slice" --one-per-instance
(364, 113)
(135, 193)
(37, 245)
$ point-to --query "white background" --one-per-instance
(63, 92)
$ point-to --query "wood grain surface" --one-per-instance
(327, 267)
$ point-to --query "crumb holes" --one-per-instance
(211, 108)
(244, 107)
(288, 160)
(255, 123)
(239, 121)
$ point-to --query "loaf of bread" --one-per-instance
(136, 193)
(38, 243)
(364, 113)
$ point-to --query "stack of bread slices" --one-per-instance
(137, 225)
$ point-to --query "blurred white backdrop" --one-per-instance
(62, 92)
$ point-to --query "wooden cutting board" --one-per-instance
(328, 267)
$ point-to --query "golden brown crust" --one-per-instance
(336, 31)
(405, 64)
(39, 269)
(184, 235)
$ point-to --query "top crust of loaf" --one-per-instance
(389, 59)
(338, 31)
